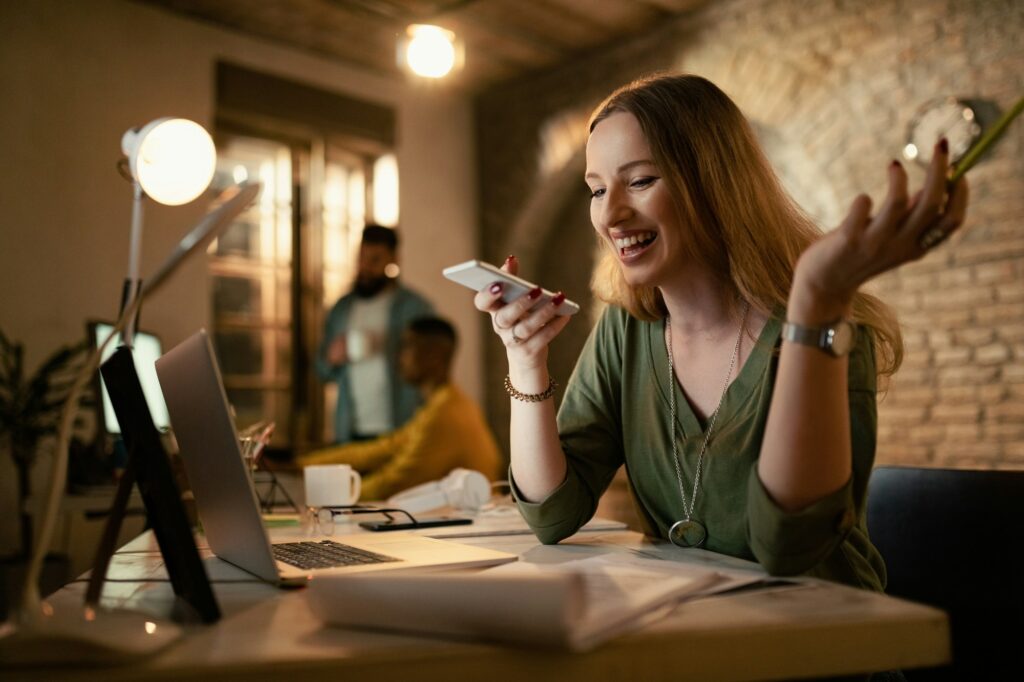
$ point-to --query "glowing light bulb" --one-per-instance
(173, 159)
(431, 50)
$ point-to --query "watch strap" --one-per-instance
(817, 337)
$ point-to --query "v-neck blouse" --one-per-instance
(615, 412)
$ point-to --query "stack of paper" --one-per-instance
(574, 605)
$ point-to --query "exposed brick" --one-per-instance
(958, 394)
(989, 250)
(959, 297)
(904, 453)
(1011, 332)
(992, 354)
(1014, 452)
(967, 455)
(1006, 412)
(918, 282)
(1011, 292)
(958, 317)
(940, 338)
(955, 412)
(926, 434)
(1000, 312)
(993, 393)
(902, 394)
(995, 273)
(963, 432)
(900, 416)
(955, 355)
(1004, 431)
(1014, 372)
(957, 376)
(973, 337)
(956, 277)
(914, 340)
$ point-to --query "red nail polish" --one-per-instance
(535, 293)
(558, 299)
(944, 146)
(509, 259)
(896, 163)
(495, 288)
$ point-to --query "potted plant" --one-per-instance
(30, 407)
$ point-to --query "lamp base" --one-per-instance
(84, 636)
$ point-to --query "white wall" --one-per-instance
(75, 75)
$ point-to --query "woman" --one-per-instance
(740, 433)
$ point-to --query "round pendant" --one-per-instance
(687, 533)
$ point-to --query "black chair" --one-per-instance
(955, 539)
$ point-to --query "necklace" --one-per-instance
(689, 532)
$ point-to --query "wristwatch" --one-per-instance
(836, 338)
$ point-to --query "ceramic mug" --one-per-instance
(331, 485)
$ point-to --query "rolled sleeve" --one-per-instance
(790, 543)
(557, 516)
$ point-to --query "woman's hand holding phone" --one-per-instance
(525, 330)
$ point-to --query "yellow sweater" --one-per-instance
(449, 431)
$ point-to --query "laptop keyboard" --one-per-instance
(326, 554)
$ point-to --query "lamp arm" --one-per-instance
(235, 200)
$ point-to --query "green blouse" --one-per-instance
(615, 412)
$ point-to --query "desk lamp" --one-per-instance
(172, 161)
(39, 632)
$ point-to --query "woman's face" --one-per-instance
(631, 207)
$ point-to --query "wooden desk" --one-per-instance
(814, 629)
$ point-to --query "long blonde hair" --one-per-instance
(739, 220)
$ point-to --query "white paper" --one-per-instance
(573, 605)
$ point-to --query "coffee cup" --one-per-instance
(331, 485)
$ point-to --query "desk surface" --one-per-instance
(813, 629)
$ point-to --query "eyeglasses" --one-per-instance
(322, 518)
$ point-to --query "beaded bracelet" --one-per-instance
(530, 397)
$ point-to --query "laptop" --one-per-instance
(228, 506)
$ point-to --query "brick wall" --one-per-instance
(830, 86)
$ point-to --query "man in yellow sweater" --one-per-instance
(447, 432)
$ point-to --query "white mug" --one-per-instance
(331, 485)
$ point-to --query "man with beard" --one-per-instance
(362, 337)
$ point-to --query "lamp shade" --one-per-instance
(173, 159)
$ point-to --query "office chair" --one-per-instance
(954, 539)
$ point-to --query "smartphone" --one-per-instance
(479, 275)
(422, 523)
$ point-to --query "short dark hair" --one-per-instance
(378, 234)
(435, 328)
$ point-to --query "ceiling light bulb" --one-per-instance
(173, 159)
(431, 50)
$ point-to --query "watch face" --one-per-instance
(842, 337)
(946, 117)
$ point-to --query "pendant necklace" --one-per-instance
(689, 532)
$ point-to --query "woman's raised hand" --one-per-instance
(830, 271)
(526, 334)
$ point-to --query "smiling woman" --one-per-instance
(734, 374)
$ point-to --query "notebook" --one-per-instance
(229, 509)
